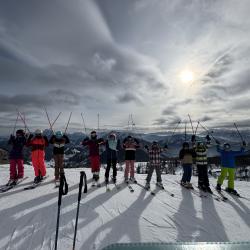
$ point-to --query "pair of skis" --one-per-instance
(7, 187)
(35, 185)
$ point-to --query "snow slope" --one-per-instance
(28, 218)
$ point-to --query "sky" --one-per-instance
(117, 58)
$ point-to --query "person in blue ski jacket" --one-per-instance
(112, 148)
(228, 165)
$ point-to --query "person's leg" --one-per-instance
(41, 164)
(200, 179)
(231, 172)
(114, 162)
(60, 163)
(189, 172)
(20, 168)
(184, 175)
(35, 163)
(95, 165)
(13, 173)
(107, 170)
(158, 173)
(127, 163)
(222, 176)
(150, 173)
(56, 160)
(205, 176)
(132, 168)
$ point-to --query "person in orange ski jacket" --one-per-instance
(38, 144)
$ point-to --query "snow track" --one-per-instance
(28, 218)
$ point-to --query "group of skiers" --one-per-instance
(197, 153)
(38, 142)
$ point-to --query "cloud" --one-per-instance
(128, 97)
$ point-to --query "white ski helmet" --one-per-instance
(38, 132)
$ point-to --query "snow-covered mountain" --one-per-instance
(28, 218)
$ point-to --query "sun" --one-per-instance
(187, 76)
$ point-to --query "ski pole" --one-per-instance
(15, 124)
(56, 119)
(210, 133)
(239, 132)
(197, 128)
(191, 123)
(63, 190)
(48, 119)
(173, 132)
(82, 178)
(23, 119)
(68, 123)
(84, 124)
(185, 131)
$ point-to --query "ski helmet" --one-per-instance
(59, 134)
(93, 134)
(20, 132)
(185, 145)
(112, 136)
(38, 132)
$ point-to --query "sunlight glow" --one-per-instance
(187, 76)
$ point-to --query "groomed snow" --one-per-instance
(28, 218)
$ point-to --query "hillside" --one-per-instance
(28, 218)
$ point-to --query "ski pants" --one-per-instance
(187, 172)
(231, 172)
(129, 167)
(38, 163)
(58, 165)
(16, 169)
(111, 163)
(202, 175)
(157, 168)
(95, 166)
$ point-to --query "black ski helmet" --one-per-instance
(185, 144)
(20, 132)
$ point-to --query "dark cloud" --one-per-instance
(128, 97)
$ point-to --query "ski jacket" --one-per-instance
(154, 155)
(59, 144)
(130, 147)
(187, 155)
(201, 155)
(111, 153)
(18, 144)
(38, 143)
(228, 157)
(93, 145)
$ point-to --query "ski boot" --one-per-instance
(147, 186)
(11, 182)
(232, 191)
(37, 179)
(114, 180)
(209, 190)
(98, 184)
(160, 185)
(202, 187)
(106, 181)
(218, 187)
(189, 185)
(132, 179)
(126, 180)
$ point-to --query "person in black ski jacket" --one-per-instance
(58, 140)
(16, 155)
(112, 147)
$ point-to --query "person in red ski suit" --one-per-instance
(93, 143)
(38, 144)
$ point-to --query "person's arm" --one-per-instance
(66, 139)
(52, 139)
(11, 139)
(46, 141)
(137, 144)
(181, 154)
(29, 141)
(85, 142)
(219, 150)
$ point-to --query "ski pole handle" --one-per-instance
(80, 185)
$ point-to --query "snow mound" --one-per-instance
(28, 217)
